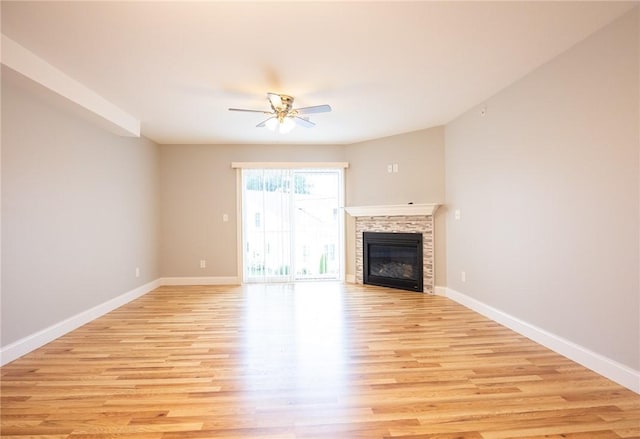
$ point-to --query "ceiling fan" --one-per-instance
(283, 117)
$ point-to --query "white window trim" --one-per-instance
(289, 165)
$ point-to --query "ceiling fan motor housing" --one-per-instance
(280, 103)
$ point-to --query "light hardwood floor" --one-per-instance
(310, 360)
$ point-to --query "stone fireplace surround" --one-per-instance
(409, 218)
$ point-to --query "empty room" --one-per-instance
(320, 219)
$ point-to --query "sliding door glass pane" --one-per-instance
(267, 225)
(291, 224)
(316, 224)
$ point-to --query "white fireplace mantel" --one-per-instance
(392, 210)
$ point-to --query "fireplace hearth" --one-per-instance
(393, 260)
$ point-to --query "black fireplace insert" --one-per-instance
(393, 260)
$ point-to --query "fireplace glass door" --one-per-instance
(393, 260)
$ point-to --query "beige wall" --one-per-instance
(420, 179)
(547, 187)
(79, 211)
(198, 186)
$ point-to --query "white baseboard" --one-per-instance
(440, 291)
(350, 278)
(34, 341)
(606, 367)
(217, 280)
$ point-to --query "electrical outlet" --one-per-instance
(225, 217)
(395, 167)
(203, 263)
(137, 271)
(463, 276)
(389, 169)
(456, 214)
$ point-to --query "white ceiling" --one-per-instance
(384, 67)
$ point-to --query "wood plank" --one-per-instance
(291, 361)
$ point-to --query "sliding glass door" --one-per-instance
(292, 224)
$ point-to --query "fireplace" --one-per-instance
(393, 260)
(396, 218)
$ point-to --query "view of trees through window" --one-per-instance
(276, 182)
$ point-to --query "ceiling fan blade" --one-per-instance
(250, 111)
(304, 122)
(264, 122)
(315, 109)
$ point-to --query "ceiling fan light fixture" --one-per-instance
(281, 125)
(272, 124)
(286, 125)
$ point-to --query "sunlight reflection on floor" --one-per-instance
(295, 339)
